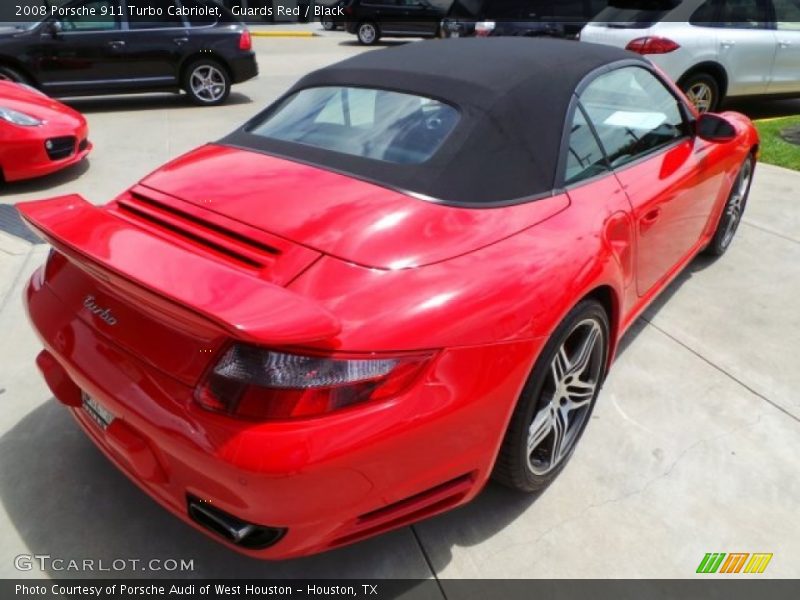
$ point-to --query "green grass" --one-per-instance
(774, 149)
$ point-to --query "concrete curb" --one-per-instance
(287, 34)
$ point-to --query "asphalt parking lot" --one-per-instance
(694, 446)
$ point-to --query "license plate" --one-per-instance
(454, 34)
(99, 413)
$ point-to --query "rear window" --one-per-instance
(378, 124)
(635, 14)
(201, 13)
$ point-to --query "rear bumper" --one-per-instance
(243, 67)
(322, 482)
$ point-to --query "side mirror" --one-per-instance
(714, 128)
(54, 27)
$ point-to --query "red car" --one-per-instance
(408, 274)
(38, 135)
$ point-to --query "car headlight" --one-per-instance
(18, 118)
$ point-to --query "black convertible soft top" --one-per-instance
(513, 95)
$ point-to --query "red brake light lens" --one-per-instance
(484, 28)
(652, 45)
(245, 41)
(260, 384)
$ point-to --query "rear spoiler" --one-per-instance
(120, 254)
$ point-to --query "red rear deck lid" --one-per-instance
(146, 265)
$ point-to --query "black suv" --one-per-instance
(372, 19)
(111, 50)
(555, 18)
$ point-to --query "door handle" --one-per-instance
(651, 217)
(181, 40)
(784, 43)
(727, 43)
(116, 44)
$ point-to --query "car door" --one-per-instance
(786, 68)
(154, 45)
(746, 45)
(599, 198)
(387, 13)
(79, 52)
(419, 16)
(659, 163)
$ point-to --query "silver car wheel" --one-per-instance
(701, 95)
(572, 383)
(208, 83)
(367, 33)
(735, 206)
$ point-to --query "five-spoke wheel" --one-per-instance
(571, 385)
(734, 209)
(368, 33)
(703, 91)
(557, 400)
(207, 83)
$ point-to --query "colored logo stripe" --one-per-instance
(758, 562)
(713, 562)
(734, 562)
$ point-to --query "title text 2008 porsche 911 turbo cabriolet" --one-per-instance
(408, 274)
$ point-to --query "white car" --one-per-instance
(713, 49)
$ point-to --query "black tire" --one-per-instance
(703, 90)
(217, 87)
(368, 33)
(524, 470)
(732, 213)
(9, 74)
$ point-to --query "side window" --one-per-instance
(787, 14)
(100, 15)
(570, 9)
(706, 14)
(633, 113)
(196, 15)
(585, 158)
(744, 14)
(142, 16)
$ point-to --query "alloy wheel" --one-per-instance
(735, 206)
(701, 95)
(208, 83)
(367, 33)
(572, 382)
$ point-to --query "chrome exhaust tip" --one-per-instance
(233, 529)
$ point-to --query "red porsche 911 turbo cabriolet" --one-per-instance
(38, 135)
(408, 274)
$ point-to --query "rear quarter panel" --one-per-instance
(515, 289)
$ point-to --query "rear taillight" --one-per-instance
(255, 383)
(245, 41)
(652, 45)
(484, 28)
